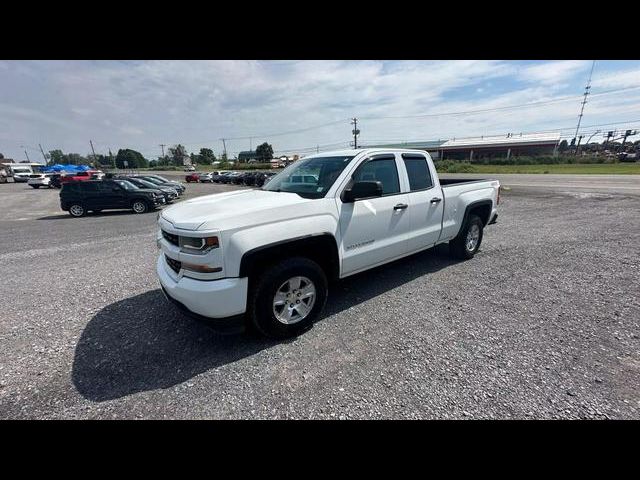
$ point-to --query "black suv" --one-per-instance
(96, 195)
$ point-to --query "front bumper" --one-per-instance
(211, 300)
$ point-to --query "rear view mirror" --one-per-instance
(362, 189)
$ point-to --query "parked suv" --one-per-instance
(170, 194)
(158, 180)
(78, 198)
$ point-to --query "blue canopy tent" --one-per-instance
(65, 168)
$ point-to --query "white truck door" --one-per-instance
(426, 202)
(374, 230)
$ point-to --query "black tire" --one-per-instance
(460, 247)
(77, 210)
(35, 186)
(140, 206)
(260, 307)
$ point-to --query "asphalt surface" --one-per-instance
(542, 323)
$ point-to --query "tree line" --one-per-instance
(129, 158)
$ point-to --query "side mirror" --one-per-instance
(362, 189)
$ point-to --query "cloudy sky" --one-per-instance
(297, 105)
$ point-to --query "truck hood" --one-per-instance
(215, 209)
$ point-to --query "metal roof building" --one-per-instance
(468, 148)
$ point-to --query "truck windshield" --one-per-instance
(309, 178)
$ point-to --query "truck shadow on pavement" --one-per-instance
(143, 343)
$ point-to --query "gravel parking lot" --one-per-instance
(542, 323)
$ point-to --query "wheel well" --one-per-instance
(322, 249)
(482, 210)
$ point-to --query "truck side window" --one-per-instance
(383, 170)
(418, 172)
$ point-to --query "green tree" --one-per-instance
(264, 152)
(563, 146)
(177, 154)
(73, 159)
(1, 156)
(206, 156)
(134, 159)
(56, 156)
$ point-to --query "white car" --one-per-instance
(266, 256)
(37, 180)
(189, 168)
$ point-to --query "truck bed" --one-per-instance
(447, 182)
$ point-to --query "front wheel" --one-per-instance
(140, 206)
(468, 241)
(35, 186)
(287, 297)
(77, 210)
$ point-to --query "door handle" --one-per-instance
(400, 206)
(436, 200)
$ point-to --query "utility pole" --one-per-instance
(584, 101)
(627, 134)
(43, 155)
(609, 135)
(578, 144)
(93, 150)
(355, 131)
(25, 152)
(162, 146)
(224, 148)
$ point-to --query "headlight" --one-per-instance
(198, 245)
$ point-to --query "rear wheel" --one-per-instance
(77, 210)
(140, 206)
(287, 297)
(468, 241)
(35, 186)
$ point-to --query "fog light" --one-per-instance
(200, 268)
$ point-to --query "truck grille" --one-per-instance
(171, 238)
(174, 264)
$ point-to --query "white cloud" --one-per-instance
(142, 104)
(554, 73)
(622, 79)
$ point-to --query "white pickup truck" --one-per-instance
(264, 257)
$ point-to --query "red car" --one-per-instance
(192, 177)
(82, 176)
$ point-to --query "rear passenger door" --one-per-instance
(426, 202)
(112, 195)
(90, 194)
(374, 230)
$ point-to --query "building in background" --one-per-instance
(495, 146)
(246, 156)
